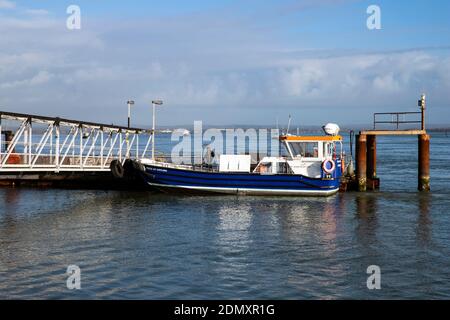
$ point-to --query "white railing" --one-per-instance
(36, 143)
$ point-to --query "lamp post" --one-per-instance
(130, 103)
(422, 105)
(154, 104)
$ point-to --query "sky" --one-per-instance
(225, 61)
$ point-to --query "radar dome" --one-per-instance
(331, 129)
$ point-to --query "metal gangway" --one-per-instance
(32, 143)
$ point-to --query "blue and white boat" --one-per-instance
(313, 166)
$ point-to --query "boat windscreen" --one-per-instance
(305, 149)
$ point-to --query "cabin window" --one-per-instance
(305, 149)
(265, 167)
(283, 167)
(268, 167)
(330, 149)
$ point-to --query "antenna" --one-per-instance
(289, 125)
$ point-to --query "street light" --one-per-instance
(154, 104)
(422, 105)
(130, 103)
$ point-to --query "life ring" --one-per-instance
(117, 169)
(325, 166)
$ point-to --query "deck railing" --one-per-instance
(397, 118)
(38, 143)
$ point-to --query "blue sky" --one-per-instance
(225, 61)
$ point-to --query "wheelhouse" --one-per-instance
(313, 147)
(311, 156)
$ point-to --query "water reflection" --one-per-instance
(233, 238)
(366, 214)
(11, 197)
(424, 222)
(308, 230)
(234, 224)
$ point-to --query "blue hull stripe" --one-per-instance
(241, 185)
(227, 176)
(169, 176)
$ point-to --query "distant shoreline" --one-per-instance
(293, 128)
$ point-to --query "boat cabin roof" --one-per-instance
(310, 138)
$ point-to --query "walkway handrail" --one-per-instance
(396, 118)
(16, 116)
(40, 143)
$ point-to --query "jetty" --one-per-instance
(51, 151)
(366, 146)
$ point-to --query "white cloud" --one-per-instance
(18, 24)
(5, 4)
(304, 81)
(40, 78)
(37, 12)
(386, 82)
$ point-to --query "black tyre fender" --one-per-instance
(117, 169)
(128, 168)
(138, 166)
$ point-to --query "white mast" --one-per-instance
(154, 104)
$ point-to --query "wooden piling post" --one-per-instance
(424, 163)
(371, 156)
(361, 162)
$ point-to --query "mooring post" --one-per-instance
(361, 161)
(424, 162)
(371, 156)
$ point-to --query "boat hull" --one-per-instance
(191, 181)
